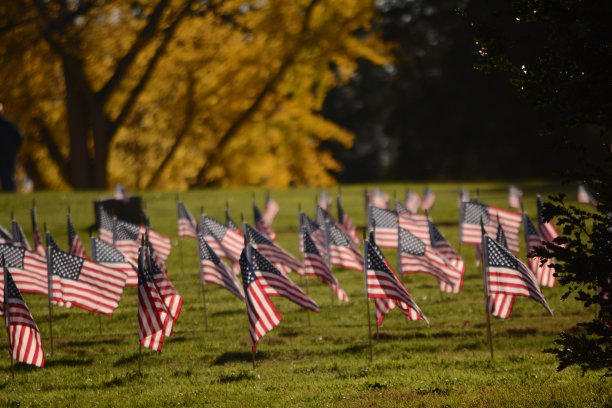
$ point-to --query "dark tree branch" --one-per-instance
(46, 138)
(269, 87)
(146, 76)
(190, 114)
(146, 35)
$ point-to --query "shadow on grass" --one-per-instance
(238, 357)
(85, 343)
(123, 380)
(68, 362)
(18, 368)
(357, 348)
(235, 377)
(521, 332)
(289, 333)
(128, 359)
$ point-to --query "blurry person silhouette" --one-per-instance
(10, 141)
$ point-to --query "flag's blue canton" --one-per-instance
(382, 218)
(215, 228)
(256, 238)
(501, 237)
(256, 213)
(248, 274)
(51, 242)
(229, 223)
(18, 235)
(66, 265)
(498, 256)
(13, 256)
(260, 263)
(473, 212)
(309, 245)
(376, 259)
(400, 208)
(338, 237)
(106, 221)
(183, 213)
(127, 231)
(103, 252)
(529, 227)
(434, 233)
(308, 223)
(206, 253)
(11, 288)
(411, 244)
(143, 273)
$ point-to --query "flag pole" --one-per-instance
(486, 288)
(49, 287)
(180, 240)
(249, 256)
(6, 313)
(365, 272)
(141, 269)
(328, 255)
(203, 296)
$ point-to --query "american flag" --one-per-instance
(473, 212)
(275, 283)
(314, 264)
(316, 232)
(83, 283)
(277, 255)
(417, 224)
(171, 299)
(107, 226)
(229, 240)
(464, 196)
(515, 197)
(152, 311)
(39, 248)
(378, 198)
(346, 223)
(262, 313)
(384, 224)
(539, 266)
(412, 201)
(500, 304)
(126, 237)
(323, 216)
(416, 256)
(440, 244)
(229, 223)
(261, 225)
(187, 223)
(213, 270)
(324, 201)
(547, 229)
(385, 286)
(19, 238)
(25, 344)
(28, 269)
(112, 258)
(429, 198)
(342, 251)
(270, 211)
(75, 245)
(505, 274)
(585, 195)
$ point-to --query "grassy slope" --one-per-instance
(324, 363)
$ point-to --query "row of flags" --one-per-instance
(126, 254)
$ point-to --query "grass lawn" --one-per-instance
(309, 359)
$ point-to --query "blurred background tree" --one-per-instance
(168, 94)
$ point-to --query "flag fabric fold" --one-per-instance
(213, 270)
(345, 222)
(25, 343)
(384, 224)
(28, 269)
(274, 252)
(75, 245)
(186, 222)
(111, 257)
(314, 264)
(473, 212)
(343, 252)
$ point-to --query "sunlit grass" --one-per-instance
(322, 363)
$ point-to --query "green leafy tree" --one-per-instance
(557, 54)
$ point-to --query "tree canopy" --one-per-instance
(171, 94)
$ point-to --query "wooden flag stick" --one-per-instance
(249, 257)
(205, 311)
(180, 242)
(49, 288)
(139, 357)
(486, 290)
(6, 313)
(365, 272)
